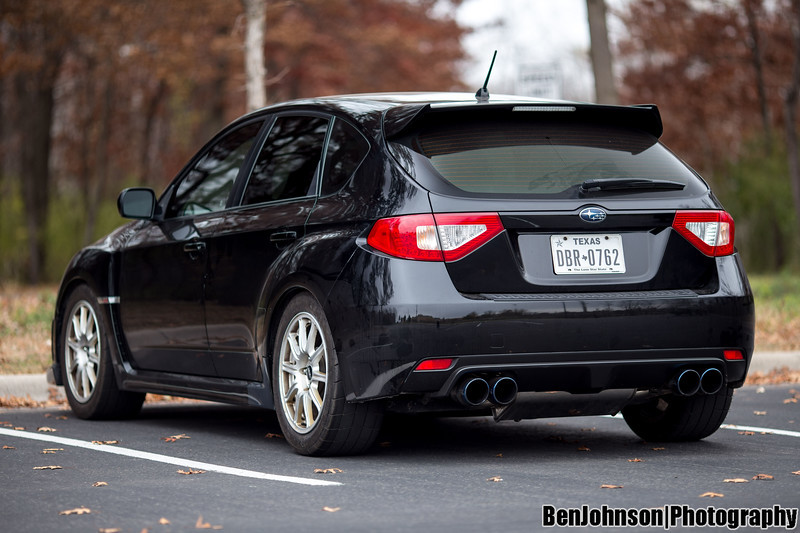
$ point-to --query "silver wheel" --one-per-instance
(303, 372)
(82, 351)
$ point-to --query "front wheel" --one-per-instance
(678, 418)
(86, 364)
(309, 391)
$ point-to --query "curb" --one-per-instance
(36, 386)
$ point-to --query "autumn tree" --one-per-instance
(108, 93)
(718, 70)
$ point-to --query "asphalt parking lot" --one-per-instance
(189, 466)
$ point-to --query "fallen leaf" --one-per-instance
(711, 495)
(327, 470)
(52, 450)
(164, 521)
(658, 449)
(331, 509)
(386, 444)
(759, 413)
(99, 484)
(174, 438)
(584, 449)
(761, 390)
(45, 429)
(60, 417)
(611, 486)
(500, 455)
(204, 525)
(273, 436)
(588, 429)
(19, 428)
(635, 460)
(110, 530)
(191, 471)
(735, 480)
(49, 467)
(495, 479)
(796, 473)
(748, 433)
(790, 400)
(764, 477)
(77, 510)
(104, 442)
(9, 448)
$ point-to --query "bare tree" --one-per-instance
(602, 63)
(256, 14)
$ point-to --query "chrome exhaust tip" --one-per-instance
(711, 381)
(503, 390)
(687, 383)
(472, 392)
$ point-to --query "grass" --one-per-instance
(26, 312)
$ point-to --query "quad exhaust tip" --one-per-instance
(689, 382)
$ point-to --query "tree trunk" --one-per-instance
(35, 97)
(256, 13)
(755, 50)
(600, 52)
(790, 113)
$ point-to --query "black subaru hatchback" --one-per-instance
(339, 258)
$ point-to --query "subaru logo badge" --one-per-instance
(593, 214)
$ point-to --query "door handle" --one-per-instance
(283, 236)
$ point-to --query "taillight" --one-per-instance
(711, 232)
(443, 237)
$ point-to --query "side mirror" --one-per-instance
(137, 202)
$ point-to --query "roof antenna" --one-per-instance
(483, 93)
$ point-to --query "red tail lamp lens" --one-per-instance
(444, 237)
(711, 232)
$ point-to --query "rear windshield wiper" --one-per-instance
(621, 184)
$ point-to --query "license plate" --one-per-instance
(587, 254)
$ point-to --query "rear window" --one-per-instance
(524, 156)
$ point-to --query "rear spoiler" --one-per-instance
(400, 120)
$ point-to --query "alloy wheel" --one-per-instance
(303, 372)
(82, 351)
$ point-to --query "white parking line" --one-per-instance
(157, 457)
(771, 431)
(783, 432)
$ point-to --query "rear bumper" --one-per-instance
(580, 343)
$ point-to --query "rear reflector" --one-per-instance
(444, 237)
(733, 355)
(711, 232)
(435, 364)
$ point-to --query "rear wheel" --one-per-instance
(678, 418)
(309, 391)
(86, 364)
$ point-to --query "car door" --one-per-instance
(163, 268)
(258, 236)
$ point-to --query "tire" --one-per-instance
(86, 365)
(309, 391)
(677, 418)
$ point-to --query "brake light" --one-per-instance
(711, 232)
(444, 237)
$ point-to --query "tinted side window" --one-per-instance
(206, 187)
(287, 165)
(346, 149)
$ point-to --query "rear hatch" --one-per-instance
(588, 199)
